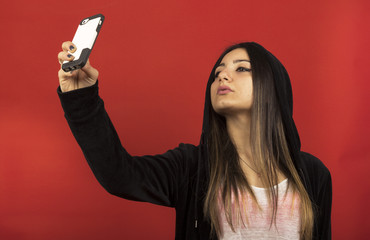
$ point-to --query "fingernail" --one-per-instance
(69, 55)
(71, 47)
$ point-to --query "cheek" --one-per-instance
(212, 90)
(247, 93)
(247, 89)
(251, 89)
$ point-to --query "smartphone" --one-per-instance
(84, 40)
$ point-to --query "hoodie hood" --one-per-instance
(283, 91)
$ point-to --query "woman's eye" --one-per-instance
(216, 74)
(243, 69)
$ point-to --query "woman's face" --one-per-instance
(232, 89)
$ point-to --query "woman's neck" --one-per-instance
(238, 127)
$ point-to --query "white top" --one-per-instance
(257, 222)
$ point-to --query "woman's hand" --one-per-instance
(76, 79)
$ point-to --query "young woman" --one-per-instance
(247, 179)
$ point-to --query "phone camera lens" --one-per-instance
(84, 21)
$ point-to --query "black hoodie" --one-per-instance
(179, 177)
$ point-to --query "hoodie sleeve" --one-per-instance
(153, 179)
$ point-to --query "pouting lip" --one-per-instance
(223, 88)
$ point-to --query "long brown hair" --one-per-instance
(269, 148)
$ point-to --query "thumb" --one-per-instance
(90, 71)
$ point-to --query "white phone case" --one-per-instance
(84, 40)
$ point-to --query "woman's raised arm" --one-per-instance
(156, 179)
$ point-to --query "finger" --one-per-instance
(64, 75)
(90, 71)
(87, 65)
(65, 56)
(68, 46)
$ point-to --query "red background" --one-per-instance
(154, 59)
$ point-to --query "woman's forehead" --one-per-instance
(239, 53)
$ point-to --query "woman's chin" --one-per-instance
(232, 111)
(224, 110)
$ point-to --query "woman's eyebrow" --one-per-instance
(235, 61)
(241, 60)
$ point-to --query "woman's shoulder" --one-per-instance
(188, 147)
(313, 165)
(189, 152)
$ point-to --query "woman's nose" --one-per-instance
(223, 75)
